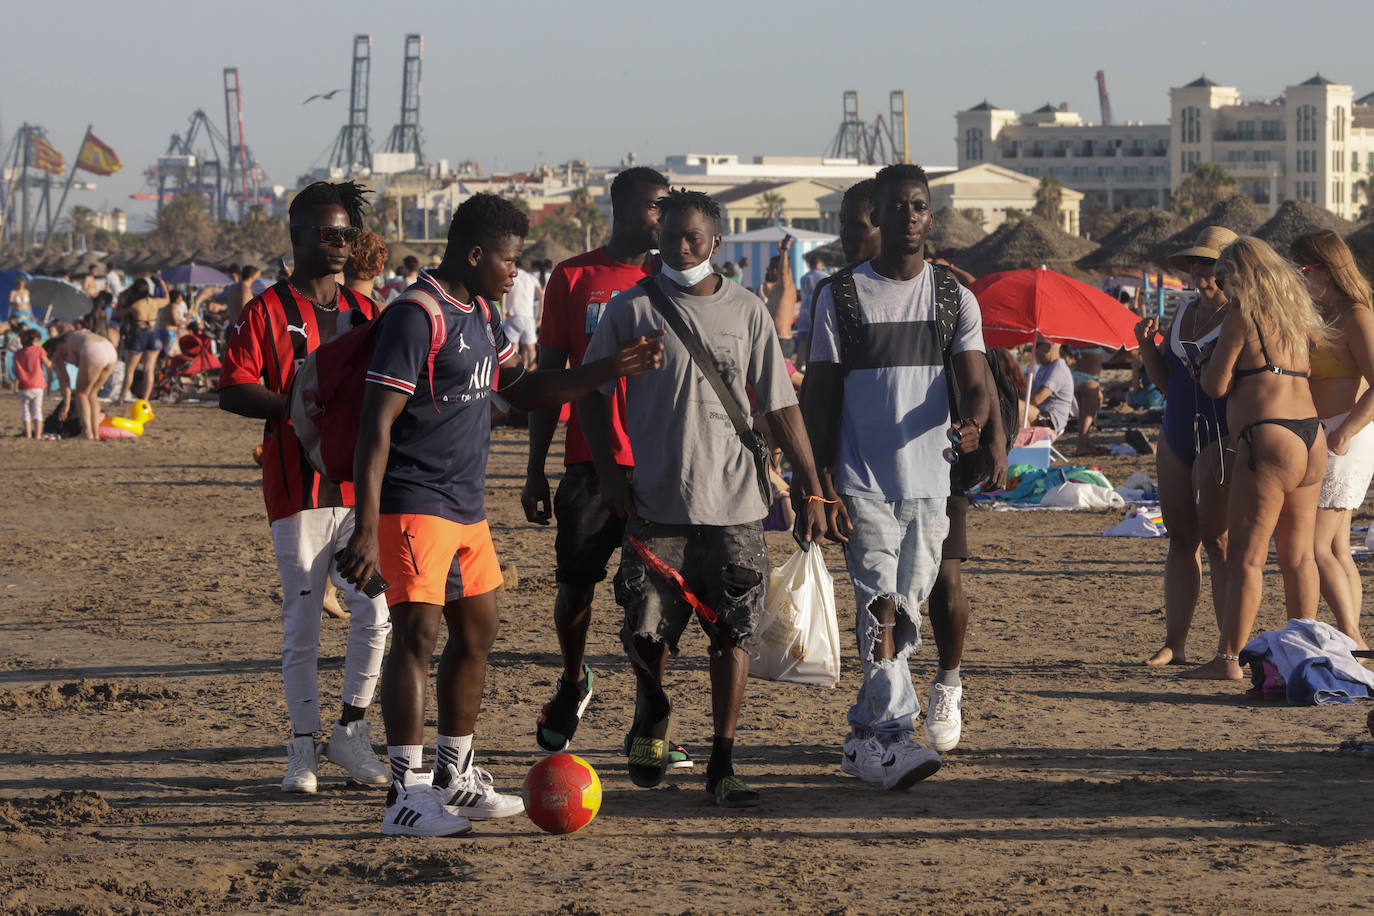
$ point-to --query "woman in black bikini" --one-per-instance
(1261, 363)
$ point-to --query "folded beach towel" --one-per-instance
(1315, 659)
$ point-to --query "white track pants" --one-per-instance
(305, 544)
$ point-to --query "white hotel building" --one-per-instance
(1312, 143)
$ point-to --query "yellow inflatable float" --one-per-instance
(130, 427)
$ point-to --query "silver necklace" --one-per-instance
(333, 305)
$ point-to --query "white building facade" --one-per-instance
(1314, 143)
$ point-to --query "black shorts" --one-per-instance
(724, 566)
(587, 533)
(956, 542)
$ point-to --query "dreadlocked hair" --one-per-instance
(681, 199)
(347, 194)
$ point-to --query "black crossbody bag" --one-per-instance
(754, 443)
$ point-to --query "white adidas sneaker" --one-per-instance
(471, 793)
(418, 810)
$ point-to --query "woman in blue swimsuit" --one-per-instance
(1262, 361)
(1193, 485)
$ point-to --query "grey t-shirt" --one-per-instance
(896, 399)
(690, 466)
(1058, 378)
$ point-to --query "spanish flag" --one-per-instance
(97, 157)
(43, 155)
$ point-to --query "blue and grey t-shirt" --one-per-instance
(896, 399)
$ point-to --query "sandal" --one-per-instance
(558, 720)
(649, 748)
(678, 757)
(733, 792)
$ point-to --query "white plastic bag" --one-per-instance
(798, 635)
(1075, 495)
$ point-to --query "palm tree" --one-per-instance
(1048, 198)
(1206, 185)
(771, 206)
(1364, 186)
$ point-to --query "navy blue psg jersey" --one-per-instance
(439, 443)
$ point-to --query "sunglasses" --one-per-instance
(334, 235)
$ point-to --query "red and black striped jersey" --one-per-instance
(276, 331)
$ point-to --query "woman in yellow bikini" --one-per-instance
(1260, 363)
(1342, 372)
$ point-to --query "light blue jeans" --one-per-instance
(893, 552)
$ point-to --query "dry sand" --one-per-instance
(144, 732)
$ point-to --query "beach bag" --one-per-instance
(798, 635)
(325, 403)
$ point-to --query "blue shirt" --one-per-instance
(439, 443)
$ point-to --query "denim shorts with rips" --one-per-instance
(893, 552)
(726, 567)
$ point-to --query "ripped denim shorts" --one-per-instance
(725, 567)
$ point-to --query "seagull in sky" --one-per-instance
(322, 95)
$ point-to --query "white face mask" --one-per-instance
(692, 275)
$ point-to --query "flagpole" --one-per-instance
(70, 178)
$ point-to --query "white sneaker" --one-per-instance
(906, 763)
(350, 746)
(419, 811)
(863, 757)
(944, 717)
(302, 765)
(471, 794)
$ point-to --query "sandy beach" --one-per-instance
(145, 729)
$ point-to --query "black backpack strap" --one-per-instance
(946, 323)
(848, 324)
(697, 351)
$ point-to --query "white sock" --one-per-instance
(949, 677)
(457, 751)
(404, 757)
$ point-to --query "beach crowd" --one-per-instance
(856, 403)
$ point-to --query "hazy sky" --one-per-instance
(512, 85)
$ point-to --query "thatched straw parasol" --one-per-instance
(1026, 243)
(1298, 217)
(952, 230)
(1237, 213)
(1361, 243)
(1127, 247)
(545, 250)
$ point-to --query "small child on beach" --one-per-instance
(30, 370)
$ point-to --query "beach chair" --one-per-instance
(1034, 445)
(195, 370)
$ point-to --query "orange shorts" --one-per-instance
(433, 560)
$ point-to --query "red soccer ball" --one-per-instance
(562, 793)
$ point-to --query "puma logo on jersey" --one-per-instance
(294, 329)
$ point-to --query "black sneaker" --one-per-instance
(558, 721)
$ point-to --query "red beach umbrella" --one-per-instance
(1020, 305)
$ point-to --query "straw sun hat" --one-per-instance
(1208, 245)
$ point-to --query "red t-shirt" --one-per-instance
(275, 332)
(28, 368)
(575, 298)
